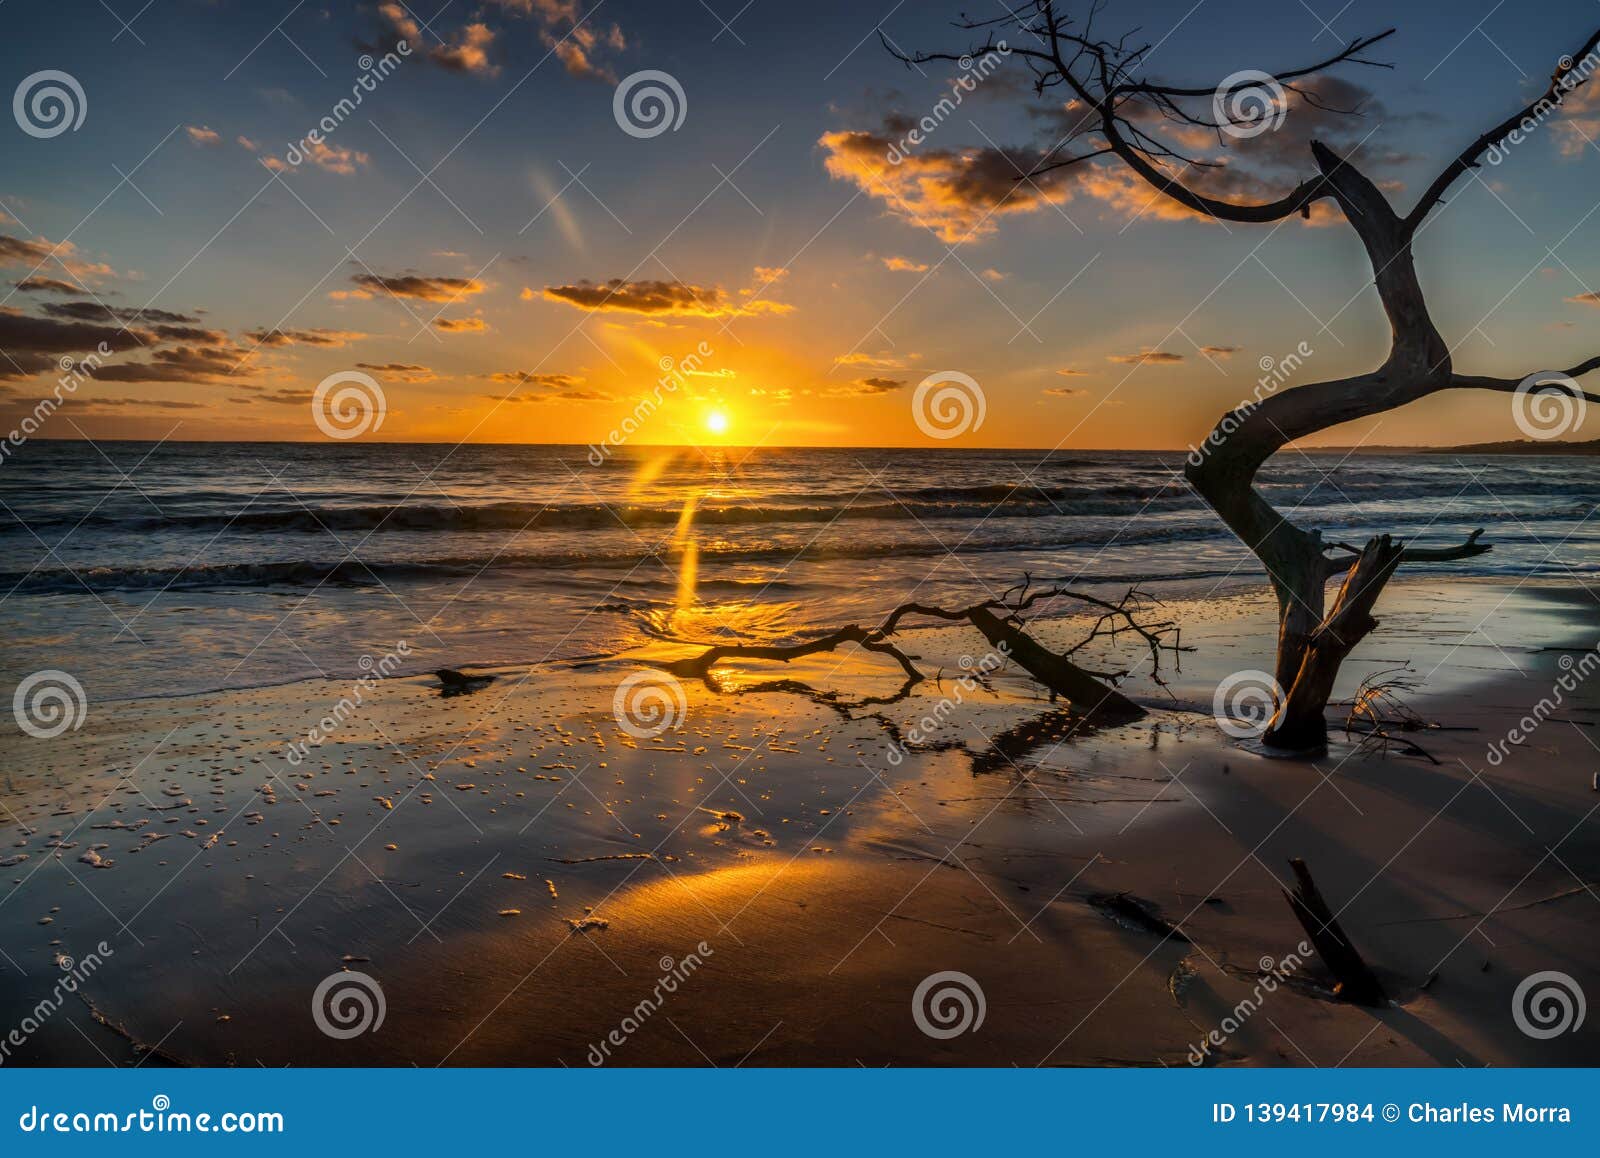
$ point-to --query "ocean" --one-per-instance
(156, 570)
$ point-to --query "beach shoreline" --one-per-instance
(516, 872)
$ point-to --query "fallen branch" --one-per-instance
(1001, 621)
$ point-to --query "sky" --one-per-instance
(510, 238)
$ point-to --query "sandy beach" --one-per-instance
(519, 874)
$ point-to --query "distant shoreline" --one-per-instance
(1523, 447)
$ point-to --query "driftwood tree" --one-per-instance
(1120, 116)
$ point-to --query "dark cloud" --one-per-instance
(86, 311)
(47, 285)
(412, 285)
(524, 378)
(313, 337)
(1153, 357)
(671, 298)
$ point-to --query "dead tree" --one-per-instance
(1120, 116)
(1092, 694)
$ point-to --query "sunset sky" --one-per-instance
(483, 238)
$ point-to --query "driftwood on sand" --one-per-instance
(1092, 694)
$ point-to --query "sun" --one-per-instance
(717, 422)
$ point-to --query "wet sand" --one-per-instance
(519, 874)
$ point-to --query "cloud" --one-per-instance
(30, 345)
(564, 396)
(461, 325)
(410, 285)
(139, 403)
(1579, 123)
(1219, 351)
(1154, 357)
(178, 364)
(399, 371)
(1064, 391)
(1069, 372)
(465, 50)
(524, 378)
(905, 265)
(576, 41)
(964, 193)
(993, 275)
(82, 311)
(1591, 298)
(246, 143)
(312, 337)
(47, 285)
(201, 135)
(17, 251)
(670, 298)
(766, 275)
(960, 194)
(331, 158)
(866, 387)
(877, 361)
